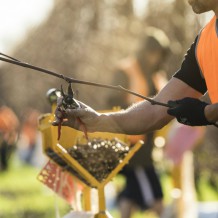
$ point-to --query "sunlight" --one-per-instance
(17, 17)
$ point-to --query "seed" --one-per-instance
(99, 156)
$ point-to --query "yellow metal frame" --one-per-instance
(70, 137)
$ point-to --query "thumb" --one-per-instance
(171, 112)
(173, 104)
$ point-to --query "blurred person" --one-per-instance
(181, 141)
(9, 124)
(28, 136)
(141, 73)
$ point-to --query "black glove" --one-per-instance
(189, 111)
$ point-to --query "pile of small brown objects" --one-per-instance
(99, 156)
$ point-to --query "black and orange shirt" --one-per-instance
(199, 68)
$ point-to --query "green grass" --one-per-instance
(23, 196)
(206, 192)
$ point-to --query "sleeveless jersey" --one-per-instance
(207, 57)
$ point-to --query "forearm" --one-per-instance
(145, 117)
(137, 119)
(211, 113)
(140, 118)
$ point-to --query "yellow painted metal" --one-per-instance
(86, 198)
(71, 137)
(101, 200)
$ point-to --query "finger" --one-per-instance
(55, 123)
(58, 114)
(66, 123)
(73, 124)
(173, 111)
(173, 104)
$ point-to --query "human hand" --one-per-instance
(189, 111)
(83, 117)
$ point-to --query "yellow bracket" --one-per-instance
(58, 152)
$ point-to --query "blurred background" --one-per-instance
(83, 40)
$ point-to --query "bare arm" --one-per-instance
(139, 118)
(143, 117)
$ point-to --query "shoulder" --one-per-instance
(190, 73)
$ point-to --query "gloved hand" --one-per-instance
(189, 111)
